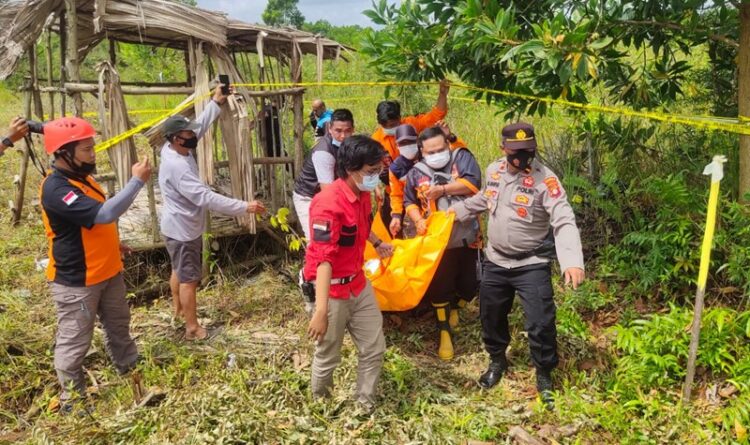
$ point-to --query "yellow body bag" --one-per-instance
(401, 281)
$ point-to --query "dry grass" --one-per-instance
(262, 394)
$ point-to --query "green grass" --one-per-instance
(265, 396)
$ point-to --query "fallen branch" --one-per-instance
(521, 436)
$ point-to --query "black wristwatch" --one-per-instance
(7, 142)
(377, 243)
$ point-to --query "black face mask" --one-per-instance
(190, 143)
(86, 168)
(521, 159)
(81, 169)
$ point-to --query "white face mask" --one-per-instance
(369, 182)
(390, 131)
(336, 142)
(408, 151)
(437, 161)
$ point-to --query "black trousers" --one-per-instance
(534, 285)
(385, 210)
(455, 277)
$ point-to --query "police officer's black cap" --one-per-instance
(177, 123)
(519, 136)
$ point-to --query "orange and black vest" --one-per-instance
(81, 253)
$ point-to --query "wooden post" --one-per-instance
(63, 45)
(21, 185)
(155, 232)
(190, 64)
(71, 65)
(112, 53)
(50, 76)
(299, 124)
(77, 87)
(716, 170)
(199, 74)
(33, 70)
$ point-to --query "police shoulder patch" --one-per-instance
(553, 187)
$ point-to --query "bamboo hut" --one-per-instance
(255, 149)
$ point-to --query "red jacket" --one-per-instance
(340, 222)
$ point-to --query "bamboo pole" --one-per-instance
(131, 83)
(36, 98)
(21, 185)
(261, 161)
(716, 170)
(77, 87)
(205, 158)
(63, 44)
(190, 62)
(188, 73)
(155, 232)
(112, 53)
(299, 124)
(50, 76)
(71, 65)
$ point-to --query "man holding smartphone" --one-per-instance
(186, 200)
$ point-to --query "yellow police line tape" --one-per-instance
(143, 111)
(169, 110)
(331, 99)
(703, 122)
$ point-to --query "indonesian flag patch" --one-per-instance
(70, 198)
(321, 230)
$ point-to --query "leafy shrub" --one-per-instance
(660, 253)
(655, 350)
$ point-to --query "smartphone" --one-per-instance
(224, 81)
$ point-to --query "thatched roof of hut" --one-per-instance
(151, 22)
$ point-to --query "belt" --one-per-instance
(517, 257)
(345, 280)
(544, 250)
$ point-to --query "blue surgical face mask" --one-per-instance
(437, 161)
(336, 143)
(408, 151)
(390, 131)
(369, 182)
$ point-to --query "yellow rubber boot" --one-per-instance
(453, 317)
(445, 349)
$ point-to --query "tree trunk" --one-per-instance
(743, 100)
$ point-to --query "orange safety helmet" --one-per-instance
(66, 129)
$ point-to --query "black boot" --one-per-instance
(544, 387)
(494, 373)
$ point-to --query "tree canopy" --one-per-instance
(283, 13)
(559, 48)
(641, 54)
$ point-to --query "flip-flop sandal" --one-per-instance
(211, 333)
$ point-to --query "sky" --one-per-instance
(338, 12)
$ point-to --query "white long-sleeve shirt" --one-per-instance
(185, 197)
